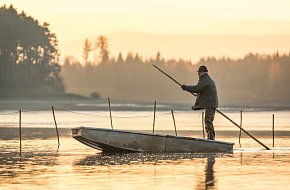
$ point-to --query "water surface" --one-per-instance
(76, 166)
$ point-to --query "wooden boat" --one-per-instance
(109, 140)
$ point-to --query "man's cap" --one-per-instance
(202, 69)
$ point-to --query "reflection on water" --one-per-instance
(134, 158)
(105, 159)
(75, 166)
(13, 165)
(209, 172)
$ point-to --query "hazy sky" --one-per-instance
(74, 20)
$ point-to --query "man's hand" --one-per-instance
(183, 87)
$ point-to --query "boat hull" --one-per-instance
(108, 140)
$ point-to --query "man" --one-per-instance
(206, 98)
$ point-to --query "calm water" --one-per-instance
(76, 166)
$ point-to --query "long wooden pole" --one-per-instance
(154, 116)
(170, 77)
(174, 122)
(202, 124)
(167, 75)
(273, 130)
(110, 112)
(241, 122)
(243, 129)
(56, 129)
(20, 135)
(221, 113)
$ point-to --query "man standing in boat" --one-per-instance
(207, 98)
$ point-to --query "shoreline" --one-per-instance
(88, 104)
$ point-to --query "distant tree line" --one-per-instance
(256, 77)
(28, 56)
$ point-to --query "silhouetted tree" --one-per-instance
(129, 58)
(87, 49)
(102, 44)
(120, 59)
(28, 54)
(158, 56)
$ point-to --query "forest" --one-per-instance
(28, 56)
(253, 78)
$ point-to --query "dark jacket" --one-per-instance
(206, 93)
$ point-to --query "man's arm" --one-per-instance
(201, 85)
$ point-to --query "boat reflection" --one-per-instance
(202, 179)
(134, 158)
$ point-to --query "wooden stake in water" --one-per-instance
(154, 116)
(202, 124)
(20, 135)
(56, 129)
(273, 130)
(174, 122)
(241, 122)
(110, 112)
